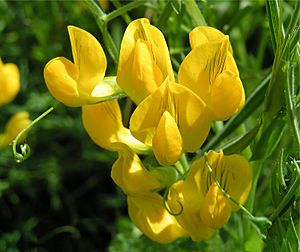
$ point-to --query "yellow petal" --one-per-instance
(9, 82)
(13, 127)
(149, 215)
(227, 95)
(160, 51)
(167, 142)
(196, 70)
(239, 179)
(89, 58)
(103, 123)
(146, 75)
(210, 71)
(230, 64)
(185, 201)
(216, 208)
(129, 173)
(205, 34)
(233, 173)
(151, 42)
(189, 112)
(61, 79)
(73, 84)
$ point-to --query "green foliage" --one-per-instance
(62, 197)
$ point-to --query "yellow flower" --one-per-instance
(9, 82)
(129, 173)
(204, 206)
(148, 213)
(173, 120)
(210, 71)
(144, 60)
(103, 123)
(13, 127)
(184, 201)
(81, 82)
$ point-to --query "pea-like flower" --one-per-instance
(210, 71)
(145, 206)
(202, 205)
(13, 127)
(173, 120)
(82, 82)
(144, 60)
(149, 214)
(9, 82)
(129, 173)
(103, 123)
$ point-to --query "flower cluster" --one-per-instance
(9, 88)
(166, 198)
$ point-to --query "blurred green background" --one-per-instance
(62, 198)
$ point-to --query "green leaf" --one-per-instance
(292, 193)
(254, 243)
(270, 137)
(163, 18)
(195, 13)
(123, 10)
(176, 5)
(285, 46)
(239, 144)
(236, 19)
(292, 79)
(278, 185)
(275, 22)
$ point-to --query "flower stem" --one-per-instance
(100, 17)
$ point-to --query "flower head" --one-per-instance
(13, 127)
(148, 213)
(103, 123)
(205, 207)
(210, 71)
(79, 82)
(129, 173)
(144, 60)
(9, 82)
(173, 120)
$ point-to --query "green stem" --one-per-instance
(163, 18)
(179, 168)
(258, 165)
(293, 193)
(20, 157)
(290, 103)
(184, 162)
(123, 10)
(100, 17)
(195, 13)
(118, 5)
(96, 10)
